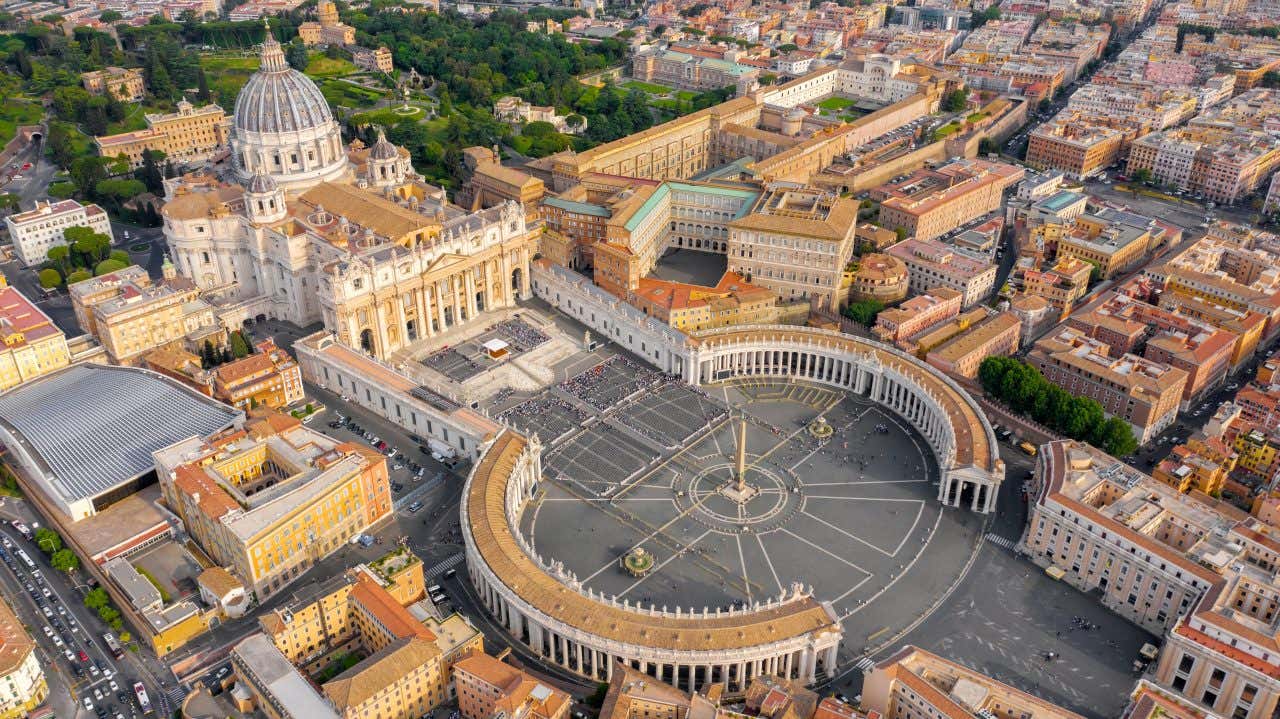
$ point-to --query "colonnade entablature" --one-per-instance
(546, 607)
(933, 403)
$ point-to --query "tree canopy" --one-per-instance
(1026, 391)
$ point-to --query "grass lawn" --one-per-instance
(346, 94)
(948, 129)
(836, 103)
(648, 87)
(227, 74)
(14, 113)
(339, 665)
(320, 65)
(686, 95)
(851, 116)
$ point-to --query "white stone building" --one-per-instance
(35, 231)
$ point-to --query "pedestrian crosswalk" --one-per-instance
(175, 695)
(865, 664)
(443, 566)
(999, 541)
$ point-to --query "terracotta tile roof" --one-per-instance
(516, 687)
(15, 643)
(1228, 651)
(219, 581)
(213, 500)
(397, 620)
(380, 671)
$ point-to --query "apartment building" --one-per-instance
(917, 314)
(1061, 285)
(796, 242)
(1245, 325)
(1197, 348)
(376, 610)
(131, 316)
(933, 202)
(1223, 163)
(931, 264)
(1113, 240)
(33, 344)
(1074, 147)
(487, 687)
(1144, 393)
(992, 337)
(1231, 267)
(914, 683)
(269, 378)
(1201, 464)
(126, 85)
(270, 500)
(1113, 530)
(22, 680)
(33, 232)
(1157, 108)
(1260, 406)
(189, 135)
(1197, 571)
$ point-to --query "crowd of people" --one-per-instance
(520, 334)
(612, 381)
(547, 414)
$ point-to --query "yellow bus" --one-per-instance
(1027, 447)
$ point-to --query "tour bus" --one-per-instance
(1028, 448)
(25, 559)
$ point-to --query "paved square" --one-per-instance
(853, 514)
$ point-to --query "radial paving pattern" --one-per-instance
(855, 515)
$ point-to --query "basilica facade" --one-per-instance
(298, 226)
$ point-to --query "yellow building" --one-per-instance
(33, 345)
(795, 242)
(1256, 452)
(22, 682)
(328, 29)
(270, 500)
(370, 611)
(690, 308)
(127, 85)
(1202, 464)
(130, 316)
(192, 134)
(1110, 241)
(488, 687)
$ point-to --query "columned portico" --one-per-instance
(688, 648)
(943, 414)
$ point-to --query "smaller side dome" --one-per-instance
(262, 183)
(382, 149)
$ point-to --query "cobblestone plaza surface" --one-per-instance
(855, 517)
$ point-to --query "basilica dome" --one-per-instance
(278, 98)
(283, 127)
